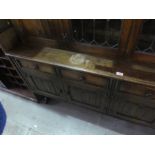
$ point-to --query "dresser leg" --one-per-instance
(41, 99)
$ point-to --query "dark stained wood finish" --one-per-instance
(133, 102)
(143, 58)
(33, 27)
(101, 90)
(44, 83)
(84, 77)
(131, 30)
(74, 46)
(8, 39)
(60, 30)
(129, 36)
(124, 38)
(8, 73)
(56, 28)
(136, 29)
(90, 49)
(132, 71)
(133, 110)
(87, 95)
(138, 89)
(96, 83)
(37, 66)
(64, 29)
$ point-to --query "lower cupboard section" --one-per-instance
(118, 98)
(91, 98)
(122, 107)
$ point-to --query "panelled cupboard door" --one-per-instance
(134, 102)
(124, 108)
(42, 82)
(86, 95)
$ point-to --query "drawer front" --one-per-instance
(37, 66)
(85, 77)
(137, 89)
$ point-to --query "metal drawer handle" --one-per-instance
(35, 66)
(82, 78)
(148, 94)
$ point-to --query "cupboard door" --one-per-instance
(87, 95)
(124, 108)
(138, 93)
(133, 102)
(42, 82)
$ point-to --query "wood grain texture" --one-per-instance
(8, 39)
(73, 46)
(129, 36)
(124, 38)
(93, 83)
(135, 32)
(143, 58)
(33, 27)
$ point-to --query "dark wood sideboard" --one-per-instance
(96, 83)
(110, 71)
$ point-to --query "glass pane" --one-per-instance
(4, 24)
(146, 42)
(102, 32)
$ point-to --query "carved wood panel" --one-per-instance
(42, 82)
(132, 101)
(87, 95)
(131, 109)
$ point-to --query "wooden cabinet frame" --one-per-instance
(81, 88)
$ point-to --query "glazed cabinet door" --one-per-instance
(137, 40)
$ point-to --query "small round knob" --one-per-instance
(148, 93)
(35, 66)
(82, 78)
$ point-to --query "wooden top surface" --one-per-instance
(82, 62)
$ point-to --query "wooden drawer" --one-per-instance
(37, 66)
(137, 89)
(85, 77)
